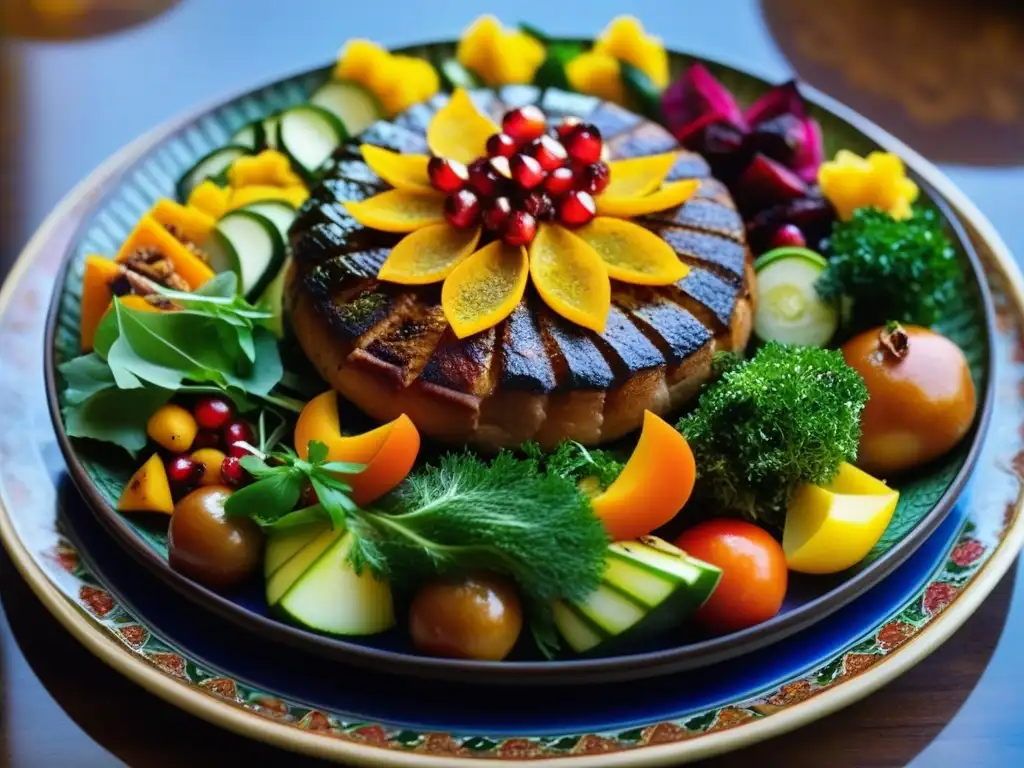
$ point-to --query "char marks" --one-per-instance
(524, 362)
(462, 365)
(726, 257)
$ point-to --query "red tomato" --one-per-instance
(754, 573)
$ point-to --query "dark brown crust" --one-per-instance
(389, 349)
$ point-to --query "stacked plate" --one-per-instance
(224, 658)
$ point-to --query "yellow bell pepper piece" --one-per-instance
(269, 167)
(625, 39)
(879, 180)
(294, 195)
(597, 74)
(397, 81)
(832, 528)
(194, 224)
(210, 199)
(497, 55)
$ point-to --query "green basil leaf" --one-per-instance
(255, 466)
(334, 501)
(107, 333)
(116, 416)
(317, 452)
(85, 376)
(343, 467)
(314, 514)
(644, 93)
(223, 285)
(266, 369)
(268, 498)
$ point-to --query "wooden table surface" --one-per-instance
(947, 77)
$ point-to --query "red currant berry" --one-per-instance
(232, 473)
(496, 214)
(206, 438)
(309, 497)
(501, 170)
(526, 171)
(447, 175)
(238, 431)
(788, 235)
(584, 144)
(213, 412)
(549, 153)
(183, 472)
(576, 209)
(521, 229)
(501, 145)
(594, 178)
(462, 209)
(537, 204)
(566, 127)
(524, 124)
(560, 181)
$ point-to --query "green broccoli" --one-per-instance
(790, 415)
(891, 270)
(595, 468)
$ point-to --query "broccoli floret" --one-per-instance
(790, 415)
(574, 462)
(891, 270)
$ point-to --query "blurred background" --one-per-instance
(81, 78)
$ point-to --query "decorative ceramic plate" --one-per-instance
(839, 660)
(927, 495)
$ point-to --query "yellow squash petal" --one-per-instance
(458, 131)
(400, 171)
(638, 176)
(669, 196)
(485, 288)
(570, 277)
(399, 210)
(429, 255)
(632, 253)
(597, 74)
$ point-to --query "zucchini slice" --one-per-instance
(356, 107)
(210, 166)
(309, 135)
(789, 309)
(251, 135)
(280, 213)
(251, 246)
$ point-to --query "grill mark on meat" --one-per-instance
(611, 119)
(412, 333)
(557, 104)
(417, 118)
(672, 328)
(355, 315)
(644, 139)
(626, 348)
(704, 215)
(712, 299)
(689, 165)
(726, 257)
(515, 96)
(357, 171)
(394, 137)
(462, 364)
(585, 365)
(524, 362)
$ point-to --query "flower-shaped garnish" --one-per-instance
(544, 205)
(397, 81)
(598, 71)
(499, 56)
(878, 181)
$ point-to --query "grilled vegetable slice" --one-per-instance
(210, 166)
(251, 246)
(355, 106)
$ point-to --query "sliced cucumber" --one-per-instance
(283, 544)
(455, 76)
(355, 106)
(291, 570)
(280, 213)
(309, 135)
(272, 301)
(251, 135)
(249, 245)
(789, 309)
(270, 130)
(331, 597)
(647, 585)
(210, 166)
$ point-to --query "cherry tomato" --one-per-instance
(205, 545)
(754, 574)
(476, 617)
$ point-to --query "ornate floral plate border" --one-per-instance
(93, 615)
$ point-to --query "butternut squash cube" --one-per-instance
(191, 223)
(148, 490)
(150, 234)
(97, 293)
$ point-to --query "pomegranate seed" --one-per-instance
(788, 235)
(309, 497)
(496, 214)
(584, 144)
(537, 204)
(183, 472)
(483, 178)
(566, 127)
(447, 175)
(501, 168)
(206, 438)
(560, 181)
(238, 431)
(213, 412)
(462, 209)
(576, 208)
(594, 178)
(231, 472)
(524, 124)
(549, 153)
(521, 229)
(501, 145)
(526, 171)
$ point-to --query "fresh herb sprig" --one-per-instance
(458, 515)
(212, 341)
(573, 461)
